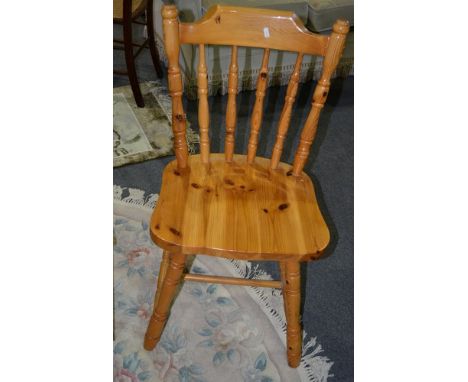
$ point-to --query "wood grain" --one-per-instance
(257, 113)
(161, 308)
(292, 301)
(241, 206)
(231, 110)
(162, 274)
(174, 78)
(255, 27)
(203, 111)
(232, 281)
(238, 210)
(332, 57)
(285, 117)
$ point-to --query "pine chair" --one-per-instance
(232, 205)
(127, 12)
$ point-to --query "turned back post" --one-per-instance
(251, 27)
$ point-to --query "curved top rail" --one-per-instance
(253, 27)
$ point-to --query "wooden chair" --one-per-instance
(241, 206)
(127, 12)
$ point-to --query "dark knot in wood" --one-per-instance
(175, 232)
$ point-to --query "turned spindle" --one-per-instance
(231, 111)
(203, 110)
(257, 113)
(286, 112)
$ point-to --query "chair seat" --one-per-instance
(237, 210)
(137, 7)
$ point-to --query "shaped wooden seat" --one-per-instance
(241, 206)
(238, 209)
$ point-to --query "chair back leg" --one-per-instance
(290, 271)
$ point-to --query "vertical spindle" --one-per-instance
(231, 111)
(286, 113)
(257, 112)
(203, 110)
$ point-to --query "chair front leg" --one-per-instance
(292, 301)
(282, 266)
(162, 274)
(163, 299)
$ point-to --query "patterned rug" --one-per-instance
(214, 333)
(144, 133)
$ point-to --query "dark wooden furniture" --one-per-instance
(127, 13)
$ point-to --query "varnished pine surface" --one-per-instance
(255, 27)
(253, 209)
(174, 79)
(238, 210)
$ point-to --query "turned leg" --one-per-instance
(162, 274)
(151, 40)
(292, 301)
(129, 58)
(282, 266)
(163, 299)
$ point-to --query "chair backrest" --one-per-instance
(252, 27)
